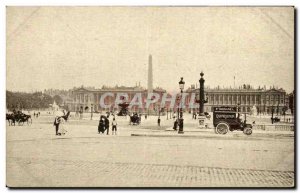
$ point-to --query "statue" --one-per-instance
(253, 110)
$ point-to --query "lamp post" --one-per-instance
(278, 101)
(272, 118)
(167, 113)
(178, 110)
(181, 86)
(159, 112)
(91, 111)
(238, 111)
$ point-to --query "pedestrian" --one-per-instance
(146, 116)
(101, 126)
(158, 121)
(106, 124)
(175, 125)
(114, 126)
(140, 118)
(129, 119)
(56, 124)
(34, 114)
(61, 127)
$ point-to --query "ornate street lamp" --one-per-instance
(91, 111)
(159, 111)
(272, 118)
(181, 87)
(167, 113)
(238, 111)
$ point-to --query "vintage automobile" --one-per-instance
(229, 119)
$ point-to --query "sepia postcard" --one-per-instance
(150, 97)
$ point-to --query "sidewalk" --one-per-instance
(209, 133)
(211, 130)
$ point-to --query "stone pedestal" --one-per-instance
(201, 122)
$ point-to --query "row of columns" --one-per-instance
(80, 99)
(242, 99)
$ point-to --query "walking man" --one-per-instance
(175, 125)
(114, 126)
(158, 121)
(101, 126)
(56, 124)
(106, 124)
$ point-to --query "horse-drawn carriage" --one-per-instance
(18, 117)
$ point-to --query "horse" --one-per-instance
(10, 118)
(24, 118)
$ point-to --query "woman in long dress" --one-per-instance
(61, 128)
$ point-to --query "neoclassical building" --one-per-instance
(247, 97)
(89, 98)
(263, 99)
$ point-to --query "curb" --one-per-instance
(226, 137)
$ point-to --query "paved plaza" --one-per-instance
(146, 156)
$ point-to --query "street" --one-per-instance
(145, 156)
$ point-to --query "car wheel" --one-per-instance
(247, 131)
(222, 128)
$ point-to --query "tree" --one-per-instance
(291, 102)
(58, 99)
(19, 100)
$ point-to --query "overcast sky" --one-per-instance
(63, 47)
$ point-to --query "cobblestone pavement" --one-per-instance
(83, 158)
(104, 174)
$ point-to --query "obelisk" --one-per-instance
(150, 75)
(150, 82)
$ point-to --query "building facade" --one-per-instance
(264, 100)
(88, 99)
(246, 98)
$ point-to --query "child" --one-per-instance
(114, 126)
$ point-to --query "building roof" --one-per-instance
(117, 89)
(234, 90)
